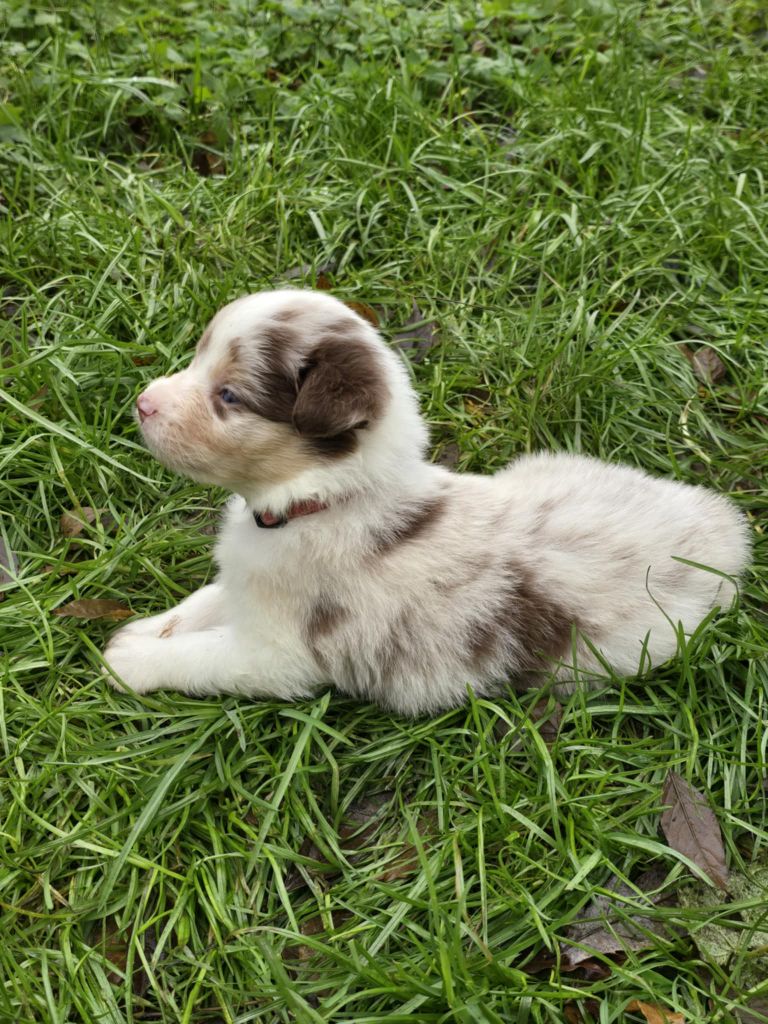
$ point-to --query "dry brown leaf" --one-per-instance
(365, 311)
(551, 719)
(654, 1013)
(585, 970)
(692, 829)
(609, 925)
(417, 336)
(706, 364)
(115, 946)
(74, 522)
(315, 926)
(754, 1011)
(98, 608)
(204, 160)
(573, 1015)
(363, 820)
(322, 282)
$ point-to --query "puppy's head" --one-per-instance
(280, 381)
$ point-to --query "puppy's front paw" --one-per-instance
(130, 663)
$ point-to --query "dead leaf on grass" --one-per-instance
(115, 947)
(573, 1015)
(363, 820)
(551, 719)
(418, 336)
(753, 1011)
(585, 970)
(205, 160)
(654, 1013)
(302, 952)
(610, 924)
(94, 608)
(365, 311)
(74, 522)
(706, 364)
(305, 269)
(692, 829)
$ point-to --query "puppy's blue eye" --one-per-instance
(229, 397)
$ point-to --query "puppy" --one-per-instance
(349, 559)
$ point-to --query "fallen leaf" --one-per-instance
(610, 924)
(323, 283)
(551, 719)
(315, 926)
(585, 970)
(114, 946)
(692, 829)
(205, 160)
(706, 364)
(654, 1013)
(304, 270)
(363, 820)
(417, 336)
(98, 608)
(365, 311)
(573, 1014)
(753, 1011)
(74, 522)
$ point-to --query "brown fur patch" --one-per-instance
(410, 526)
(529, 620)
(338, 391)
(324, 618)
(264, 382)
(398, 651)
(343, 387)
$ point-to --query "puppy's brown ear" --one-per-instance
(341, 386)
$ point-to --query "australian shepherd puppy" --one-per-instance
(348, 559)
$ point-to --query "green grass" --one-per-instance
(568, 191)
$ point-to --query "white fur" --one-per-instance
(488, 566)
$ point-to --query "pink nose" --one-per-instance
(145, 406)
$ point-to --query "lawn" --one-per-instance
(558, 212)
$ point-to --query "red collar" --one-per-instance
(268, 521)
